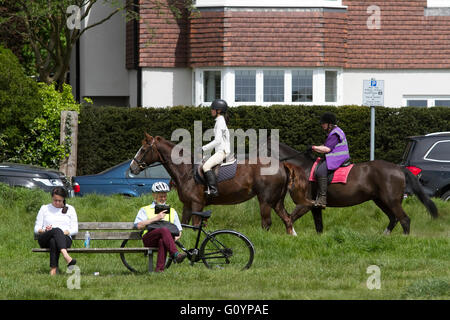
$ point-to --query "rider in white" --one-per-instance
(221, 144)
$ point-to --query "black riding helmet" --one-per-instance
(219, 104)
(328, 117)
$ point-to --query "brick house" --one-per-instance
(267, 52)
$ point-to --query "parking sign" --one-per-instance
(373, 92)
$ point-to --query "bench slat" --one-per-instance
(105, 225)
(101, 250)
(132, 235)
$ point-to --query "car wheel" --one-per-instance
(446, 196)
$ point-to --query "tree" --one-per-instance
(51, 27)
(19, 104)
(30, 115)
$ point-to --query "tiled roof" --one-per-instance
(302, 37)
(407, 38)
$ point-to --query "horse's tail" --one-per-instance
(417, 188)
(297, 184)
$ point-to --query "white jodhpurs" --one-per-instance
(215, 159)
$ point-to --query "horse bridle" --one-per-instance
(141, 163)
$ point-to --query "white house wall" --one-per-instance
(102, 56)
(398, 84)
(162, 87)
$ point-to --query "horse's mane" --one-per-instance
(171, 145)
(286, 152)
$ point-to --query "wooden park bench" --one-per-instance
(103, 231)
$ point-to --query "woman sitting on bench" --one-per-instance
(56, 223)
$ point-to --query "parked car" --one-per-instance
(119, 180)
(21, 175)
(428, 158)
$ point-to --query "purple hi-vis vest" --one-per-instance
(336, 157)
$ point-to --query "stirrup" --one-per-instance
(209, 193)
(319, 204)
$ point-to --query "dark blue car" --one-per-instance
(119, 180)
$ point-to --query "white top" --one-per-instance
(50, 215)
(221, 140)
(142, 216)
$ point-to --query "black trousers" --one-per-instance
(55, 240)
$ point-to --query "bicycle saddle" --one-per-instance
(204, 214)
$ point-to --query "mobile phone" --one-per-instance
(161, 207)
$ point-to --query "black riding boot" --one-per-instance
(321, 199)
(212, 183)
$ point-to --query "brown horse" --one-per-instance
(380, 181)
(247, 183)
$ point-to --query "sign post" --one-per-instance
(373, 95)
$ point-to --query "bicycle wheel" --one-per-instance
(227, 249)
(134, 262)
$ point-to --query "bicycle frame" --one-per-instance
(192, 253)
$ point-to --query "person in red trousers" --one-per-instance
(161, 237)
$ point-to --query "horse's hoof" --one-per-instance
(293, 233)
(387, 232)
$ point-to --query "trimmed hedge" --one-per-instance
(109, 135)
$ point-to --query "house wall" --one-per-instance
(398, 85)
(162, 87)
(410, 50)
(103, 71)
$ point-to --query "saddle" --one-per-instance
(337, 176)
(223, 171)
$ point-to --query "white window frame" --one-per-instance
(228, 86)
(430, 99)
(425, 157)
(289, 82)
(284, 86)
(270, 3)
(234, 85)
(199, 98)
(319, 87)
(438, 3)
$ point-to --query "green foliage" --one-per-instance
(110, 135)
(19, 104)
(42, 145)
(30, 115)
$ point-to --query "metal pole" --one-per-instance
(372, 133)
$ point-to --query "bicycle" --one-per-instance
(220, 248)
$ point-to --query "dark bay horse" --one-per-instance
(247, 183)
(378, 180)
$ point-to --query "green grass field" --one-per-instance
(310, 266)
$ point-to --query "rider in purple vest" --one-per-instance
(336, 153)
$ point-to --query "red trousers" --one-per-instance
(163, 240)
